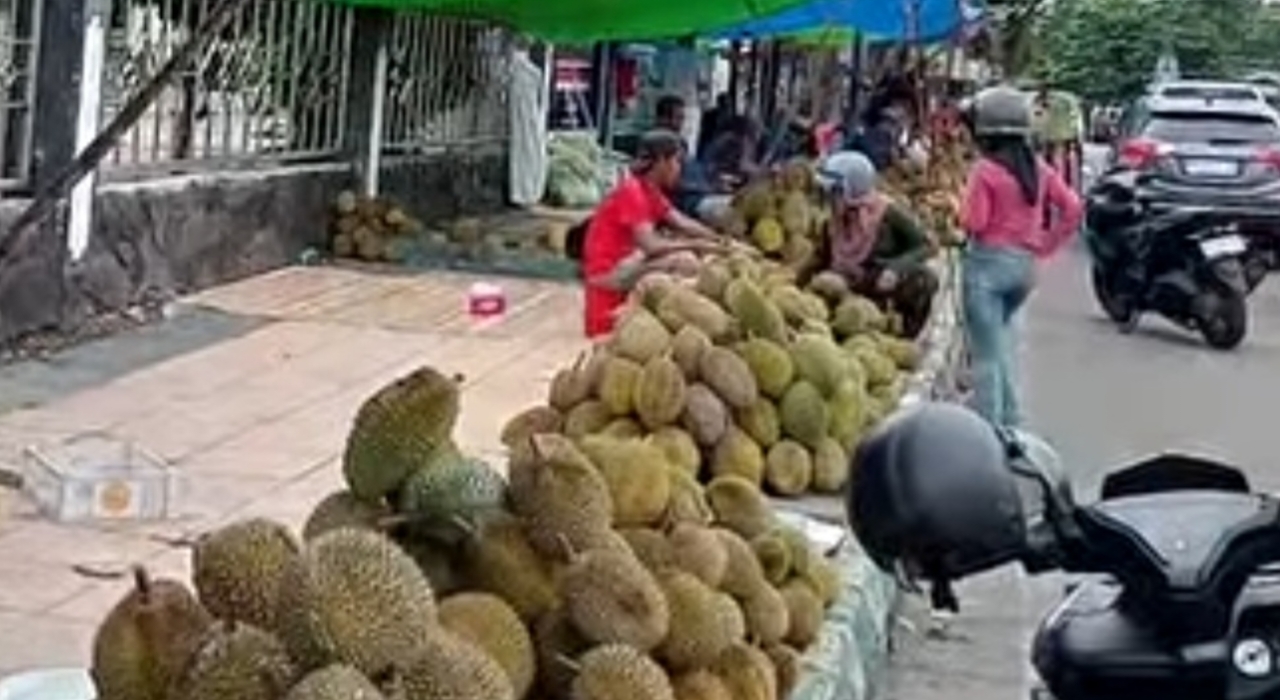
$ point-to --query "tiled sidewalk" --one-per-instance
(257, 423)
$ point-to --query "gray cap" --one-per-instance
(849, 172)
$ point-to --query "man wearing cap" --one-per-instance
(623, 241)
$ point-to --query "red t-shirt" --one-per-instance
(612, 237)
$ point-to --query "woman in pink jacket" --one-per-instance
(1017, 210)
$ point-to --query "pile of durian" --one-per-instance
(366, 228)
(784, 215)
(583, 575)
(933, 193)
(740, 380)
(469, 238)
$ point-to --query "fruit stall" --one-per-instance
(655, 533)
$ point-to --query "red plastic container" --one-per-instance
(486, 301)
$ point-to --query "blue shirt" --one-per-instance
(693, 186)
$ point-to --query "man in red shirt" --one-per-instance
(623, 241)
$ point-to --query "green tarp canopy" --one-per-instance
(586, 21)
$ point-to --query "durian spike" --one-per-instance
(540, 448)
(390, 522)
(570, 553)
(469, 527)
(568, 663)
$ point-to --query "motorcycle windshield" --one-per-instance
(1174, 472)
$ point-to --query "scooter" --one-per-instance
(1190, 264)
(1180, 594)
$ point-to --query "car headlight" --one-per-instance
(1252, 658)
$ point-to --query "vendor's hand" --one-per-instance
(683, 264)
(887, 280)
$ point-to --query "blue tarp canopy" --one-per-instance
(935, 20)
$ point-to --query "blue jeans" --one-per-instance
(996, 282)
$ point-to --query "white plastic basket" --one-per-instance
(96, 476)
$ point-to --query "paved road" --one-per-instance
(1100, 398)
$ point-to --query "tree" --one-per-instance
(1015, 40)
(1106, 50)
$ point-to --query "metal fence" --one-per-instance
(271, 87)
(273, 83)
(446, 84)
(19, 27)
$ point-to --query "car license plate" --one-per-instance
(1222, 246)
(1210, 168)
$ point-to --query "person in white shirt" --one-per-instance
(528, 159)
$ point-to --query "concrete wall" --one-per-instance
(173, 236)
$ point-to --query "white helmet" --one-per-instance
(1002, 111)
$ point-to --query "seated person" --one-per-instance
(879, 247)
(728, 163)
(623, 241)
(883, 131)
(730, 155)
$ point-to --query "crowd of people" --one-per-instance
(1017, 209)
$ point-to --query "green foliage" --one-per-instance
(1107, 49)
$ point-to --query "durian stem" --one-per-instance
(142, 582)
(568, 663)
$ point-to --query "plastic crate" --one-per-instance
(95, 476)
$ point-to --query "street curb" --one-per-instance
(852, 651)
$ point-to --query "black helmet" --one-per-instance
(932, 490)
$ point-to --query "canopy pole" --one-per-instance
(735, 74)
(603, 80)
(769, 85)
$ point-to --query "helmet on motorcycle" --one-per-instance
(1002, 111)
(932, 491)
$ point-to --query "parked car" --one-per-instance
(1269, 84)
(1208, 89)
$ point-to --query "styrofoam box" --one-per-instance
(49, 684)
(96, 476)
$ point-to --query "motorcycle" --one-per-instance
(1180, 594)
(1190, 264)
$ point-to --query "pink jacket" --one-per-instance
(995, 214)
